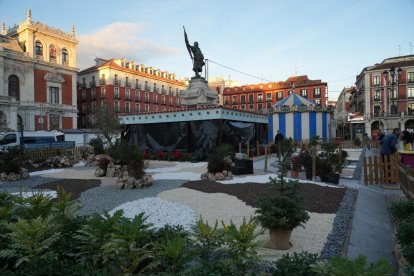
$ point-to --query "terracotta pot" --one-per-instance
(279, 239)
(294, 174)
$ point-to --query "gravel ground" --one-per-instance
(29, 183)
(106, 198)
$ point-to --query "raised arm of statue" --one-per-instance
(187, 44)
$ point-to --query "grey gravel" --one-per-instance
(106, 198)
(338, 238)
(29, 183)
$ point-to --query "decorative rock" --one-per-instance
(224, 173)
(24, 173)
(230, 174)
(99, 172)
(65, 161)
(147, 179)
(120, 184)
(219, 176)
(3, 177)
(228, 160)
(13, 176)
(204, 176)
(211, 176)
(130, 183)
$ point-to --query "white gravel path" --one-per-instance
(223, 207)
(159, 212)
(51, 171)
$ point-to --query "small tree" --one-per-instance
(106, 120)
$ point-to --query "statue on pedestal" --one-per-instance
(196, 55)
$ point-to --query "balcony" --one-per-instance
(93, 97)
(377, 99)
(92, 84)
(128, 84)
(163, 91)
(410, 81)
(147, 88)
(117, 82)
(234, 102)
(116, 96)
(156, 90)
(138, 99)
(226, 102)
(147, 100)
(138, 86)
(83, 85)
(128, 97)
(103, 95)
(259, 100)
(243, 102)
(251, 101)
(102, 81)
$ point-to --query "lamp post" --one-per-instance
(390, 77)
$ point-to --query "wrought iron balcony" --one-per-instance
(117, 82)
(102, 81)
(92, 84)
(127, 84)
(138, 86)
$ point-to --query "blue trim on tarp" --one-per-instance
(324, 126)
(297, 126)
(270, 129)
(294, 100)
(282, 123)
(312, 124)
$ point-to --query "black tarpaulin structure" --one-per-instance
(197, 131)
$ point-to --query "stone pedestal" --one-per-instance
(198, 94)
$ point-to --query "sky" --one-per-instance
(273, 40)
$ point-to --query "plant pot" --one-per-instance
(331, 178)
(294, 174)
(279, 239)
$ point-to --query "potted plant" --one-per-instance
(296, 166)
(283, 212)
(330, 163)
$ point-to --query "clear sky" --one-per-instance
(324, 39)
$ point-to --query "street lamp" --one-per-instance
(392, 79)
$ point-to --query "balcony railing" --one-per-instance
(410, 81)
(377, 99)
(116, 96)
(234, 102)
(138, 86)
(243, 102)
(226, 102)
(102, 81)
(147, 88)
(147, 100)
(103, 95)
(251, 101)
(163, 91)
(83, 85)
(127, 84)
(138, 99)
(92, 84)
(156, 90)
(117, 82)
(93, 97)
(127, 97)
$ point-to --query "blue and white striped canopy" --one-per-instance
(294, 100)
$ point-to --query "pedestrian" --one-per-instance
(278, 142)
(389, 147)
(366, 140)
(407, 141)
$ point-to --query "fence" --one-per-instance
(378, 170)
(343, 144)
(51, 152)
(406, 179)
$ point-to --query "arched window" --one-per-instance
(14, 87)
(39, 49)
(65, 56)
(52, 53)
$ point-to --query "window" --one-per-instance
(39, 49)
(393, 94)
(127, 107)
(52, 53)
(376, 80)
(251, 98)
(304, 93)
(137, 95)
(270, 86)
(155, 98)
(127, 94)
(169, 90)
(411, 109)
(104, 104)
(290, 92)
(279, 95)
(116, 93)
(251, 107)
(103, 92)
(316, 92)
(410, 92)
(260, 97)
(243, 107)
(164, 109)
(93, 105)
(147, 97)
(146, 108)
(93, 94)
(171, 100)
(377, 95)
(155, 108)
(65, 56)
(54, 121)
(137, 107)
(84, 107)
(54, 95)
(269, 105)
(243, 99)
(377, 111)
(163, 99)
(317, 101)
(176, 92)
(269, 97)
(117, 106)
(14, 87)
(155, 87)
(226, 100)
(410, 77)
(234, 99)
(259, 106)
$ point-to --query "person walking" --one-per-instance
(389, 147)
(278, 140)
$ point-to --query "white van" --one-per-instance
(34, 140)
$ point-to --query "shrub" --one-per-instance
(296, 164)
(177, 155)
(357, 142)
(402, 210)
(296, 264)
(343, 266)
(97, 144)
(11, 160)
(217, 160)
(103, 162)
(123, 153)
(405, 237)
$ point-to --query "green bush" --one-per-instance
(296, 264)
(216, 160)
(402, 210)
(405, 237)
(339, 266)
(357, 142)
(123, 153)
(97, 144)
(11, 160)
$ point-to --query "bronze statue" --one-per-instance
(196, 55)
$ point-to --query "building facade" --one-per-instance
(126, 87)
(384, 96)
(262, 97)
(342, 112)
(38, 77)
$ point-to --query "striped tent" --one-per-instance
(298, 123)
(294, 100)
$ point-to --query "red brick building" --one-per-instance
(126, 87)
(263, 96)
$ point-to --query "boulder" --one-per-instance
(230, 174)
(64, 161)
(130, 183)
(13, 176)
(204, 176)
(110, 171)
(228, 160)
(219, 176)
(24, 173)
(99, 172)
(120, 183)
(3, 177)
(225, 173)
(147, 179)
(211, 176)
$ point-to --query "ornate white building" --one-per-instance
(38, 77)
